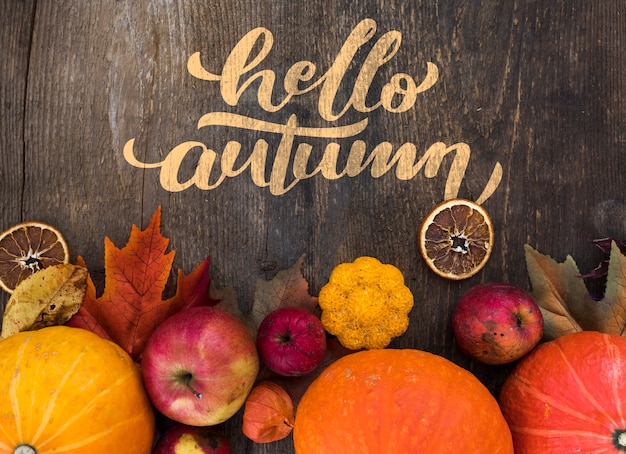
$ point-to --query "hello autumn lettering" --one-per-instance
(239, 73)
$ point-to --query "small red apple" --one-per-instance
(184, 439)
(497, 323)
(199, 366)
(291, 341)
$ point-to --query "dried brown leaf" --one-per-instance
(287, 288)
(561, 295)
(227, 297)
(612, 309)
(46, 298)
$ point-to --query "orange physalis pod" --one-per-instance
(268, 413)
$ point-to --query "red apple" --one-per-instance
(497, 323)
(184, 439)
(199, 366)
(291, 341)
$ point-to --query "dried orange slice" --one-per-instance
(456, 238)
(29, 247)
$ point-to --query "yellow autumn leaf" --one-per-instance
(48, 297)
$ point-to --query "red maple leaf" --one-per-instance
(131, 306)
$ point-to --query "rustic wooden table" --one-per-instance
(106, 108)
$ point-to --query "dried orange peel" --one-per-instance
(27, 248)
(365, 304)
(456, 238)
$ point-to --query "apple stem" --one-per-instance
(196, 393)
(188, 378)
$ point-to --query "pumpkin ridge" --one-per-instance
(91, 439)
(85, 409)
(45, 419)
(2, 445)
(558, 404)
(549, 434)
(583, 388)
(562, 433)
(15, 408)
(33, 402)
(614, 352)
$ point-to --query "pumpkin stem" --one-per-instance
(619, 439)
(24, 449)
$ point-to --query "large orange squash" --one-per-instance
(399, 401)
(66, 390)
(569, 396)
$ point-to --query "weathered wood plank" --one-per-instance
(15, 36)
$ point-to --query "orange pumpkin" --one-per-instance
(567, 396)
(399, 401)
(66, 390)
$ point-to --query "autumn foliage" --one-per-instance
(564, 299)
(132, 305)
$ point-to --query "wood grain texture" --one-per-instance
(15, 35)
(541, 90)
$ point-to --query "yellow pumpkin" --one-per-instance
(67, 390)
